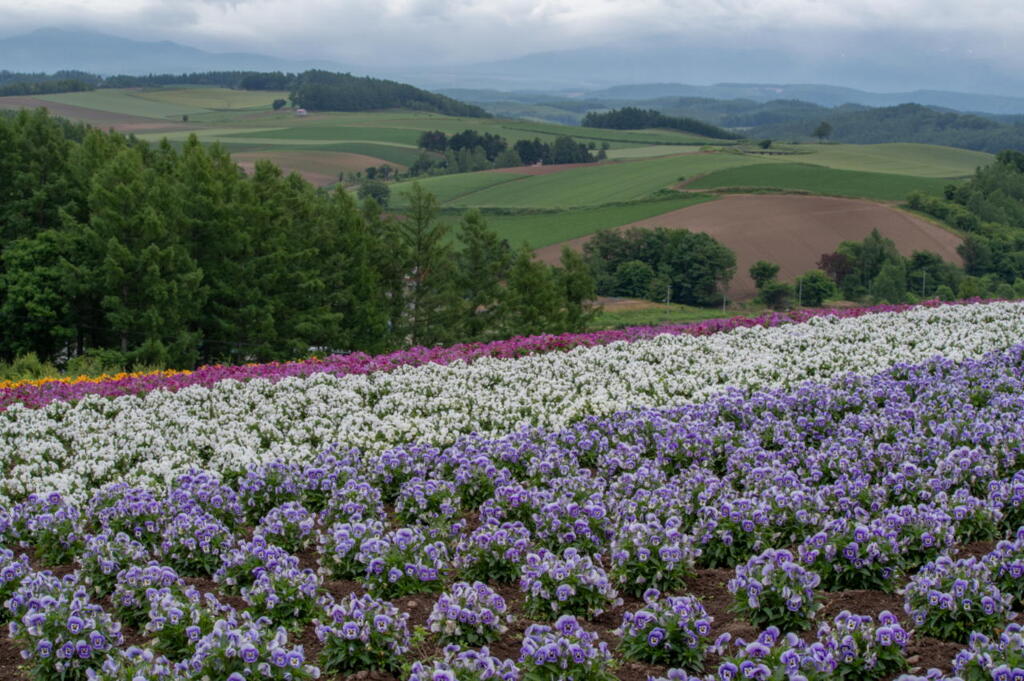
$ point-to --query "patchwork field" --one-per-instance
(544, 229)
(921, 160)
(589, 185)
(793, 231)
(318, 167)
(813, 179)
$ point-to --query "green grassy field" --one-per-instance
(214, 98)
(385, 152)
(540, 209)
(452, 190)
(922, 160)
(169, 103)
(340, 133)
(613, 317)
(585, 186)
(544, 229)
(123, 102)
(819, 180)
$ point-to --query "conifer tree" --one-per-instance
(482, 263)
(533, 301)
(150, 289)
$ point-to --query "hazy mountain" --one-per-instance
(929, 74)
(53, 49)
(824, 95)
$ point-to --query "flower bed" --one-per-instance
(233, 427)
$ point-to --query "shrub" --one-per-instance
(469, 614)
(403, 562)
(672, 631)
(772, 590)
(951, 599)
(338, 547)
(363, 633)
(494, 551)
(289, 526)
(565, 651)
(573, 584)
(651, 555)
(465, 665)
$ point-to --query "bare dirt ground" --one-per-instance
(709, 585)
(104, 120)
(320, 168)
(793, 231)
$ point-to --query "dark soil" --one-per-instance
(708, 584)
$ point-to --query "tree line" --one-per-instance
(633, 118)
(470, 151)
(904, 123)
(990, 209)
(313, 89)
(118, 252)
(659, 264)
(326, 91)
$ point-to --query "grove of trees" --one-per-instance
(633, 118)
(660, 264)
(125, 254)
(470, 151)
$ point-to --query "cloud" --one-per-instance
(399, 32)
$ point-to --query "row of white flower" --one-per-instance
(73, 448)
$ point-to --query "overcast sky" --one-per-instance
(440, 31)
(397, 33)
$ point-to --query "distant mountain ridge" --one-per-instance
(822, 95)
(53, 49)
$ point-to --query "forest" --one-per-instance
(659, 264)
(326, 91)
(314, 89)
(121, 254)
(633, 118)
(470, 151)
(990, 209)
(903, 123)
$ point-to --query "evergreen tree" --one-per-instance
(347, 263)
(150, 289)
(481, 264)
(579, 290)
(533, 300)
(431, 298)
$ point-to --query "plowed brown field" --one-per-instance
(792, 231)
(320, 168)
(104, 120)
